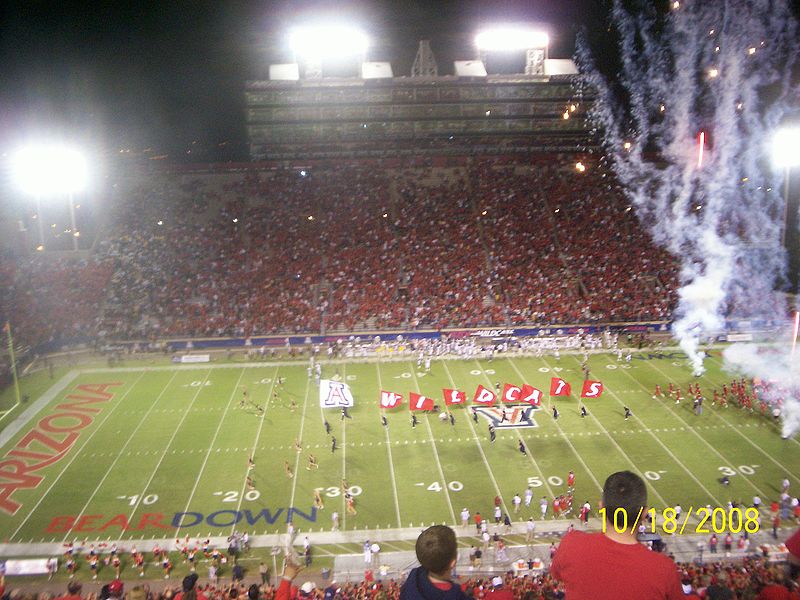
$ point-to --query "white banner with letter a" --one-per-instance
(334, 394)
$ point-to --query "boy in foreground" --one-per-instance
(437, 552)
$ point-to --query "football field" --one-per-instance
(162, 452)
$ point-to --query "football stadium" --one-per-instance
(515, 296)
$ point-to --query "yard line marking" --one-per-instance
(166, 448)
(478, 443)
(578, 454)
(300, 439)
(119, 454)
(210, 448)
(391, 460)
(344, 458)
(713, 449)
(255, 443)
(624, 454)
(664, 446)
(74, 456)
(435, 450)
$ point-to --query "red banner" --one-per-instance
(419, 402)
(454, 397)
(592, 389)
(391, 399)
(531, 395)
(559, 387)
(511, 393)
(484, 396)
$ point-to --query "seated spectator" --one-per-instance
(437, 553)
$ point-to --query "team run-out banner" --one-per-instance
(511, 394)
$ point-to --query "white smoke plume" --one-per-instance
(722, 67)
(773, 364)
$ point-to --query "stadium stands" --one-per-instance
(506, 240)
(750, 578)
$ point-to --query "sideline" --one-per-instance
(27, 415)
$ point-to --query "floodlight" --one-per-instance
(786, 147)
(332, 41)
(511, 38)
(49, 170)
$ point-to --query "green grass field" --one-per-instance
(173, 440)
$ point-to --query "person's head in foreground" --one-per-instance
(612, 564)
(626, 491)
(437, 550)
(437, 553)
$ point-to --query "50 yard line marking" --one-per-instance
(621, 451)
(391, 461)
(210, 448)
(435, 450)
(74, 456)
(574, 450)
(121, 450)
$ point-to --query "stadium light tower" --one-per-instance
(786, 154)
(313, 43)
(50, 170)
(510, 38)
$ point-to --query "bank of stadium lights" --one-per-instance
(48, 170)
(580, 167)
(713, 73)
(311, 44)
(510, 38)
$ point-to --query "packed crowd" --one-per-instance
(494, 241)
(752, 578)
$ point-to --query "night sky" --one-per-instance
(165, 74)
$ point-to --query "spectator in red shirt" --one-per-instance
(613, 565)
(499, 591)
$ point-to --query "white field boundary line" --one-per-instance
(791, 439)
(75, 455)
(413, 370)
(267, 400)
(702, 439)
(621, 451)
(27, 415)
(662, 444)
(574, 450)
(475, 437)
(210, 449)
(330, 441)
(166, 447)
(389, 453)
(300, 439)
(121, 450)
(344, 457)
(533, 461)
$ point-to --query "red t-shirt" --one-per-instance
(793, 544)
(593, 566)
